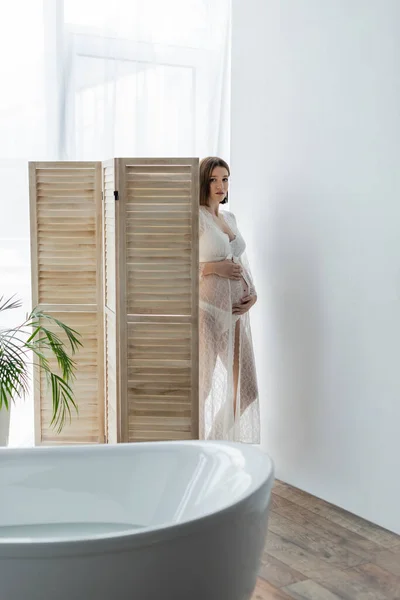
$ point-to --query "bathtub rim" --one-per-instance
(126, 540)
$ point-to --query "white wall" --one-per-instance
(316, 188)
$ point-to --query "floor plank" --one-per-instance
(304, 561)
(388, 560)
(313, 542)
(348, 585)
(277, 573)
(378, 579)
(309, 590)
(266, 591)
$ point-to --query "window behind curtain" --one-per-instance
(92, 79)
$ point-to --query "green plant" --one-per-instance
(36, 334)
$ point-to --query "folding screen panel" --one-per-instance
(67, 283)
(156, 257)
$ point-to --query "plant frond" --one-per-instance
(62, 398)
(45, 338)
(9, 304)
(72, 335)
(34, 336)
(14, 379)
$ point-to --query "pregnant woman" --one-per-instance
(229, 408)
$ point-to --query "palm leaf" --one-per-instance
(34, 336)
(62, 398)
(71, 334)
(9, 304)
(14, 380)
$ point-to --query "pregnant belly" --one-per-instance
(217, 295)
(221, 293)
(239, 289)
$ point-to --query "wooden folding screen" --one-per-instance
(149, 300)
(67, 283)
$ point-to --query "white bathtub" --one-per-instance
(158, 521)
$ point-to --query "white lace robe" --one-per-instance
(218, 417)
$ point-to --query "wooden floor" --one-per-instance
(316, 551)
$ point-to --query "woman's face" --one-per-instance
(219, 184)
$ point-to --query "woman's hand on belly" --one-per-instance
(244, 305)
(228, 269)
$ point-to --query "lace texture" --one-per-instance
(222, 416)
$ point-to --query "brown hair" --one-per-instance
(207, 166)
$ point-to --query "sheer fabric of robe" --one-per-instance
(221, 418)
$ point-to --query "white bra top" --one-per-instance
(215, 245)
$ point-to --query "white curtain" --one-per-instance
(94, 79)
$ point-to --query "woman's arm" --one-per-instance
(223, 268)
(207, 268)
